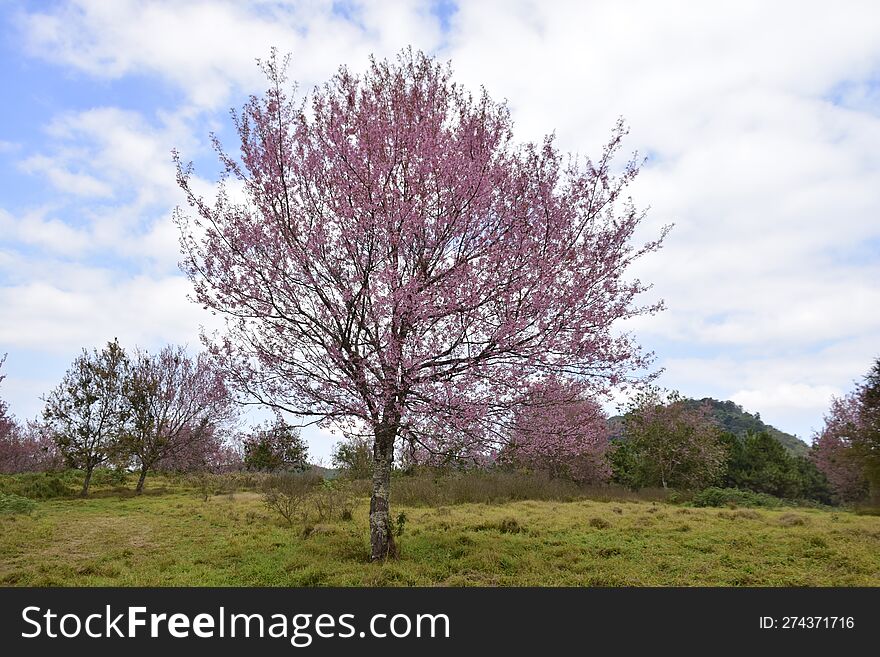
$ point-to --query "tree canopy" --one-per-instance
(399, 266)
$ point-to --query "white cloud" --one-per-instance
(92, 308)
(34, 228)
(787, 396)
(207, 49)
(71, 182)
(760, 120)
(122, 149)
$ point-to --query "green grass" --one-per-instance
(172, 537)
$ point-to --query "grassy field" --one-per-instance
(174, 537)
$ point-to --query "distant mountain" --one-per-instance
(731, 417)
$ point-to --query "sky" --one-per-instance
(760, 123)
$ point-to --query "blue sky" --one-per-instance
(763, 132)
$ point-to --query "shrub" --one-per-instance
(333, 497)
(510, 526)
(599, 523)
(109, 477)
(716, 497)
(792, 520)
(287, 494)
(400, 524)
(748, 514)
(11, 504)
(42, 485)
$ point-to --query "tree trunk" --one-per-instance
(382, 544)
(140, 486)
(85, 489)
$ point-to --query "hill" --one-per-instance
(731, 417)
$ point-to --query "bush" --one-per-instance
(599, 523)
(333, 497)
(11, 504)
(42, 485)
(716, 497)
(275, 446)
(510, 526)
(792, 520)
(287, 494)
(109, 477)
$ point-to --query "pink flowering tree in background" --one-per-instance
(832, 450)
(7, 422)
(215, 452)
(559, 431)
(391, 262)
(175, 407)
(24, 448)
(29, 448)
(847, 448)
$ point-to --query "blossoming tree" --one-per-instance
(558, 430)
(388, 259)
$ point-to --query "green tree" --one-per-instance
(761, 463)
(85, 414)
(866, 440)
(354, 457)
(276, 446)
(668, 443)
(812, 482)
(764, 467)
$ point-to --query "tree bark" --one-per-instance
(140, 485)
(85, 488)
(382, 544)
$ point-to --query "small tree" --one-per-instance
(172, 402)
(276, 446)
(354, 457)
(28, 448)
(764, 466)
(7, 422)
(833, 453)
(667, 443)
(866, 441)
(560, 432)
(85, 413)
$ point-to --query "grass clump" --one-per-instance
(599, 523)
(792, 520)
(510, 526)
(716, 497)
(10, 503)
